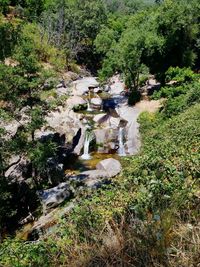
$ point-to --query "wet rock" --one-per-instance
(100, 118)
(112, 146)
(102, 137)
(78, 145)
(107, 121)
(130, 114)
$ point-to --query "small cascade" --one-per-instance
(88, 103)
(101, 110)
(89, 107)
(121, 149)
(88, 138)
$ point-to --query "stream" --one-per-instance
(108, 131)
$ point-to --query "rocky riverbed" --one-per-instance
(94, 126)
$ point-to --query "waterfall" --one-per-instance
(88, 103)
(88, 139)
(88, 106)
(101, 110)
(121, 150)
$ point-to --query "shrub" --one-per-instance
(180, 75)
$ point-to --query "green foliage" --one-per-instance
(179, 97)
(162, 181)
(170, 91)
(40, 152)
(180, 75)
(45, 51)
(152, 39)
(4, 5)
(9, 35)
(156, 186)
(73, 26)
(36, 120)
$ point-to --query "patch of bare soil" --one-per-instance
(149, 105)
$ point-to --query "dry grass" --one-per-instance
(134, 243)
(149, 106)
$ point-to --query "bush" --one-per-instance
(170, 91)
(180, 75)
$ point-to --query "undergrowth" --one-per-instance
(148, 216)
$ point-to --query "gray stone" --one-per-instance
(17, 169)
(105, 169)
(54, 196)
(111, 166)
(61, 91)
(96, 101)
(61, 84)
(94, 174)
(107, 88)
(97, 90)
(75, 101)
(117, 86)
(82, 86)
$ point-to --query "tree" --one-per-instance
(73, 26)
(9, 35)
(158, 38)
(4, 6)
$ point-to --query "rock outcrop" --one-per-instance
(52, 197)
(96, 102)
(75, 102)
(105, 170)
(82, 86)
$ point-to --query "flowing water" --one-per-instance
(121, 150)
(88, 138)
(89, 109)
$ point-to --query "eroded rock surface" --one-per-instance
(54, 196)
(105, 170)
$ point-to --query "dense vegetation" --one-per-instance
(149, 216)
(150, 213)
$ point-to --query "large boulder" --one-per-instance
(111, 166)
(18, 169)
(52, 197)
(97, 90)
(105, 170)
(100, 118)
(104, 137)
(76, 101)
(61, 91)
(82, 86)
(96, 102)
(117, 85)
(108, 121)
